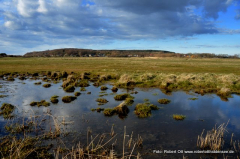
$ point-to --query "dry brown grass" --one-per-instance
(213, 139)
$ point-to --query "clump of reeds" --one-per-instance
(164, 101)
(47, 85)
(213, 139)
(68, 99)
(69, 88)
(41, 103)
(179, 117)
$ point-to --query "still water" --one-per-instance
(159, 132)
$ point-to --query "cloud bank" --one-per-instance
(29, 23)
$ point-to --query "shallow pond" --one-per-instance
(159, 132)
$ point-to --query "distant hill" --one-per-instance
(73, 52)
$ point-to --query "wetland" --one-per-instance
(54, 114)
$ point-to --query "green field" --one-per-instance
(121, 65)
(219, 76)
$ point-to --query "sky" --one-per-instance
(182, 26)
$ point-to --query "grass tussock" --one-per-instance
(69, 88)
(82, 89)
(38, 83)
(123, 96)
(101, 100)
(213, 139)
(103, 88)
(114, 89)
(68, 99)
(143, 110)
(164, 101)
(10, 78)
(54, 99)
(47, 85)
(108, 112)
(41, 103)
(77, 93)
(179, 117)
(193, 98)
(7, 110)
(98, 110)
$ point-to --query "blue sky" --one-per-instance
(184, 26)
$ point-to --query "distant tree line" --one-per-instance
(73, 52)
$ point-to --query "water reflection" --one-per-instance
(160, 131)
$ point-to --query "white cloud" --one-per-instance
(42, 6)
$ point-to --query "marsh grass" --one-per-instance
(82, 89)
(164, 101)
(213, 139)
(178, 117)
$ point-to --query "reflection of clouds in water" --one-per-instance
(210, 108)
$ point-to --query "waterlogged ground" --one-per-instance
(159, 132)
